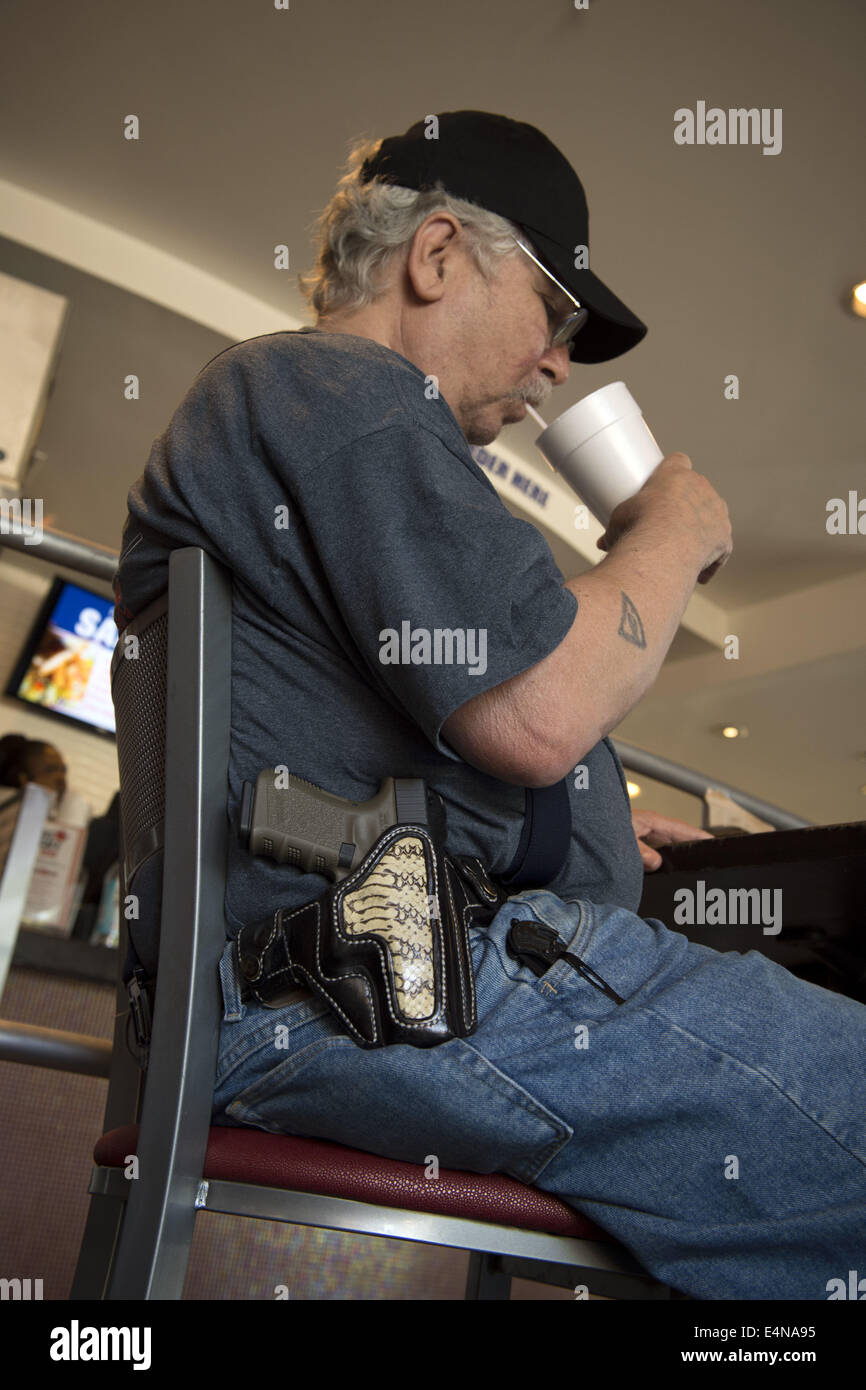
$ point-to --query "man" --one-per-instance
(707, 1109)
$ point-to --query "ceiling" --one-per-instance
(739, 261)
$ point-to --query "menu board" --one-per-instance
(65, 668)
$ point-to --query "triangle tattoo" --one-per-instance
(630, 625)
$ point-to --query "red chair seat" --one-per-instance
(331, 1170)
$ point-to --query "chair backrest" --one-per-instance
(139, 674)
(174, 841)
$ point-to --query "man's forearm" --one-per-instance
(629, 609)
(533, 728)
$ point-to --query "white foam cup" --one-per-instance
(603, 448)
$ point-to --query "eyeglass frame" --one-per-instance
(579, 318)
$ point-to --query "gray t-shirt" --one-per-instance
(324, 471)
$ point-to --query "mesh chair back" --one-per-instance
(138, 688)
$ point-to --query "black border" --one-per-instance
(36, 632)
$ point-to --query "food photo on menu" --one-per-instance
(65, 667)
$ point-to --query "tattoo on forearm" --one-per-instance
(630, 625)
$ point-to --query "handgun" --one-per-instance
(295, 822)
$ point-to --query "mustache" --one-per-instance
(535, 395)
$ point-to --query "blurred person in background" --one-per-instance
(24, 760)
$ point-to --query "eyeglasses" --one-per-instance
(573, 322)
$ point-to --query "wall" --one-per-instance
(94, 441)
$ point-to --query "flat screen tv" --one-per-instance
(64, 669)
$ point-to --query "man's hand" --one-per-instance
(653, 829)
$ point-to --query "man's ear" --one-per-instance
(424, 264)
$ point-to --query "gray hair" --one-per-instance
(365, 226)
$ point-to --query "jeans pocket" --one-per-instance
(447, 1102)
(251, 1046)
(616, 953)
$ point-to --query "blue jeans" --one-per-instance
(714, 1123)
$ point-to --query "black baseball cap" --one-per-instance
(510, 168)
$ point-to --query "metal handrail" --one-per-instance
(58, 548)
(50, 1047)
(686, 780)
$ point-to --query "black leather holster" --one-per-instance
(387, 948)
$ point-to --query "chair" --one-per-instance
(173, 706)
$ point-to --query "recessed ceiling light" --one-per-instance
(858, 299)
(634, 789)
(734, 731)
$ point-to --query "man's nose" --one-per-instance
(555, 363)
